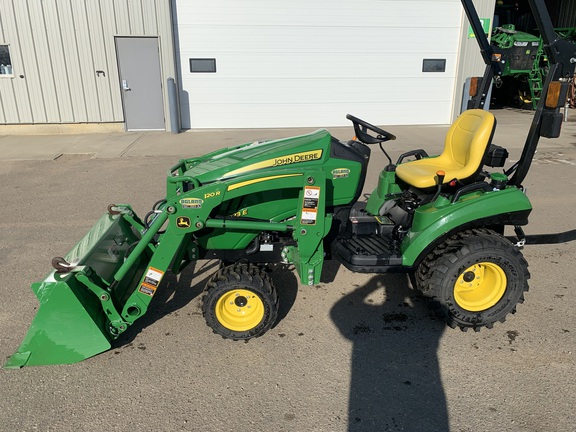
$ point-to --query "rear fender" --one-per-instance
(433, 221)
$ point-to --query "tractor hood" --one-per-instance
(247, 158)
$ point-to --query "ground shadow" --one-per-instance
(175, 292)
(395, 378)
(330, 271)
(287, 288)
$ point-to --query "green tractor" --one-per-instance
(524, 61)
(295, 201)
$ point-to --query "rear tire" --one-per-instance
(474, 279)
(240, 302)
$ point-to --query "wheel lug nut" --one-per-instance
(469, 276)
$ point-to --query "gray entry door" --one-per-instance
(140, 82)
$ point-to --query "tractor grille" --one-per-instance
(522, 57)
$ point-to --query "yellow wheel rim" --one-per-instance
(239, 310)
(480, 286)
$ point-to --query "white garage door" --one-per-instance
(290, 63)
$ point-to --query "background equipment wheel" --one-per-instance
(240, 302)
(474, 279)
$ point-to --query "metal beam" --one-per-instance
(561, 58)
(493, 67)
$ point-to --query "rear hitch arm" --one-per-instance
(541, 239)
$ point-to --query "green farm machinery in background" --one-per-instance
(295, 201)
(524, 62)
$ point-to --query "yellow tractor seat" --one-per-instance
(464, 148)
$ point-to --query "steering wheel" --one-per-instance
(361, 129)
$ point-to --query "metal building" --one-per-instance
(235, 63)
(73, 62)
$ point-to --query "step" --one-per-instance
(369, 253)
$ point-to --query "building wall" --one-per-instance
(57, 48)
(567, 15)
(470, 62)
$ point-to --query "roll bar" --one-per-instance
(561, 55)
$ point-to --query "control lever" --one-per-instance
(439, 181)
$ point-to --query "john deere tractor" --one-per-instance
(440, 218)
(524, 62)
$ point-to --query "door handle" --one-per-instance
(125, 86)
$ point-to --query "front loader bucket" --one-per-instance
(67, 328)
(72, 322)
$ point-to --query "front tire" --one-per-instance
(240, 302)
(474, 279)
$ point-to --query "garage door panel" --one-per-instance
(342, 13)
(311, 40)
(313, 115)
(234, 91)
(277, 67)
(392, 102)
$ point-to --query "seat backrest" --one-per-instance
(466, 144)
(468, 138)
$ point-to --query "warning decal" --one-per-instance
(146, 290)
(151, 281)
(310, 205)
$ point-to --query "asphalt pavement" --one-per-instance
(357, 352)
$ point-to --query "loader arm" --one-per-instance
(493, 65)
(222, 203)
